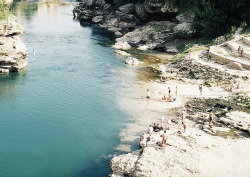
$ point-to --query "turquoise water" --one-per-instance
(60, 117)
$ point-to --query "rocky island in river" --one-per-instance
(13, 53)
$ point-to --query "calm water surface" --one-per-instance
(60, 117)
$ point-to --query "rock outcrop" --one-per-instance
(132, 61)
(149, 25)
(13, 54)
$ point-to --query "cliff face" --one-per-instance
(150, 25)
(13, 54)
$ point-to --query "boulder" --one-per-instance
(141, 12)
(118, 34)
(186, 17)
(172, 50)
(127, 8)
(132, 61)
(184, 28)
(153, 7)
(121, 45)
(124, 165)
(97, 19)
(86, 15)
(120, 52)
(6, 71)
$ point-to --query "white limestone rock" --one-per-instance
(122, 45)
(184, 27)
(120, 52)
(132, 61)
(124, 164)
(97, 19)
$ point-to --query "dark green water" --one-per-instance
(60, 117)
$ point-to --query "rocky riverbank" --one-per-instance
(216, 147)
(195, 152)
(12, 50)
(147, 26)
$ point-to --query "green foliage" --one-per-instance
(171, 29)
(4, 9)
(191, 74)
(245, 27)
(215, 17)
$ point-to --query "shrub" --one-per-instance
(4, 9)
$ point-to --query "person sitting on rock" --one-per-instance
(163, 99)
(169, 99)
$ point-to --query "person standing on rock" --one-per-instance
(211, 117)
(184, 127)
(176, 92)
(239, 49)
(237, 84)
(148, 94)
(164, 139)
(177, 72)
(184, 111)
(171, 70)
(231, 89)
(150, 129)
(200, 88)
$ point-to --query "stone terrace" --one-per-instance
(228, 54)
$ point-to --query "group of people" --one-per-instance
(162, 129)
(154, 128)
(169, 98)
(172, 71)
(164, 98)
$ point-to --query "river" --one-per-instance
(60, 117)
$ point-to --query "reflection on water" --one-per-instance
(27, 9)
(9, 82)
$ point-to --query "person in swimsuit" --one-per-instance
(200, 88)
(149, 94)
(164, 139)
(184, 127)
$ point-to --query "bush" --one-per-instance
(4, 9)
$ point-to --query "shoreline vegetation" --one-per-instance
(200, 86)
